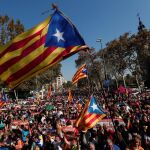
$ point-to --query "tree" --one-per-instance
(140, 45)
(128, 53)
(9, 29)
(114, 55)
(94, 67)
(68, 85)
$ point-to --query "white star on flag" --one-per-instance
(59, 35)
(94, 106)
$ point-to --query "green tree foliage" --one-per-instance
(128, 53)
(140, 45)
(94, 67)
(68, 85)
(9, 29)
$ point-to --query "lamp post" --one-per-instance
(100, 41)
(106, 98)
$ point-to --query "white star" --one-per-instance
(94, 106)
(59, 35)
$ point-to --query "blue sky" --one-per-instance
(106, 19)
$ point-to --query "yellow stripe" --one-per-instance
(10, 55)
(15, 83)
(96, 121)
(78, 71)
(74, 49)
(26, 34)
(80, 76)
(85, 128)
(17, 52)
(83, 113)
(89, 118)
(45, 30)
(75, 81)
(22, 63)
(42, 66)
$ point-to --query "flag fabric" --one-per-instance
(70, 97)
(49, 92)
(81, 73)
(90, 116)
(39, 48)
(3, 98)
(129, 124)
(2, 103)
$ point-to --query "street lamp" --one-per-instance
(100, 41)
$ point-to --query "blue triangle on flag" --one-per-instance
(62, 33)
(94, 108)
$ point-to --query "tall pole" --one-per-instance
(36, 82)
(96, 71)
(103, 57)
(106, 97)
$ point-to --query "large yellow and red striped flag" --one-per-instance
(81, 73)
(90, 115)
(39, 48)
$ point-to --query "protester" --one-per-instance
(49, 124)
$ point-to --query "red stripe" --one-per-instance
(92, 120)
(79, 74)
(75, 81)
(19, 44)
(31, 65)
(55, 60)
(79, 71)
(64, 52)
(70, 54)
(87, 116)
(83, 75)
(2, 104)
(25, 52)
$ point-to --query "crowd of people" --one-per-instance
(49, 124)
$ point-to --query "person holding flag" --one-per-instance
(90, 116)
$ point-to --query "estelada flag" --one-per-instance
(38, 49)
(49, 92)
(81, 73)
(90, 116)
(70, 97)
(2, 103)
(3, 98)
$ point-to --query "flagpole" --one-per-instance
(54, 6)
(104, 66)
